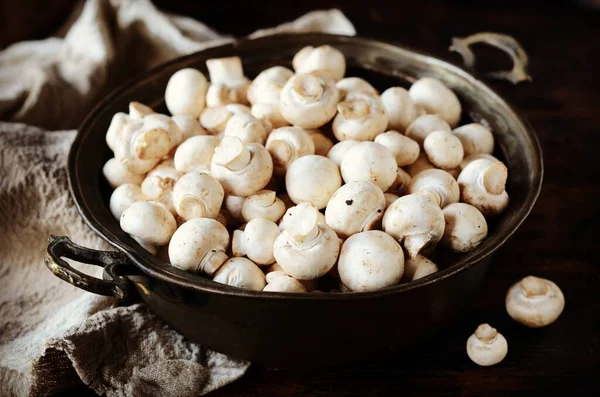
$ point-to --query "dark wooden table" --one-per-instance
(558, 241)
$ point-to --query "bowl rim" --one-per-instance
(205, 285)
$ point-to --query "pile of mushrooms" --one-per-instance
(303, 180)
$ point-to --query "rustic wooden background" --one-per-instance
(558, 241)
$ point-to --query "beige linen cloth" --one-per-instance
(53, 335)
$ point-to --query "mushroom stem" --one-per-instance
(486, 333)
(303, 223)
(232, 153)
(353, 110)
(534, 286)
(431, 193)
(238, 244)
(308, 88)
(211, 262)
(281, 153)
(152, 144)
(416, 243)
(494, 178)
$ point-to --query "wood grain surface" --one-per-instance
(558, 241)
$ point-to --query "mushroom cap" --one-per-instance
(438, 183)
(286, 144)
(370, 261)
(425, 125)
(150, 222)
(534, 302)
(197, 195)
(465, 227)
(115, 129)
(390, 198)
(116, 174)
(324, 61)
(416, 221)
(369, 161)
(306, 249)
(400, 108)
(486, 346)
(443, 149)
(241, 273)
(123, 196)
(339, 150)
(314, 179)
(189, 126)
(322, 143)
(199, 245)
(234, 205)
(242, 169)
(422, 163)
(354, 84)
(195, 154)
(436, 98)
(269, 112)
(256, 241)
(285, 284)
(267, 86)
(158, 185)
(263, 204)
(405, 150)
(418, 267)
(186, 92)
(360, 117)
(355, 207)
(475, 139)
(247, 128)
(482, 184)
(308, 101)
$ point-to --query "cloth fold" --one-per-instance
(53, 335)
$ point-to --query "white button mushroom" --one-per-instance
(234, 206)
(123, 196)
(241, 169)
(425, 125)
(400, 108)
(199, 246)
(263, 204)
(422, 163)
(220, 95)
(247, 128)
(482, 184)
(285, 284)
(390, 198)
(228, 73)
(158, 185)
(286, 144)
(370, 261)
(186, 92)
(306, 249)
(465, 227)
(215, 119)
(115, 129)
(475, 139)
(314, 179)
(307, 101)
(355, 207)
(189, 126)
(534, 302)
(324, 61)
(339, 150)
(436, 98)
(403, 148)
(196, 153)
(469, 159)
(401, 184)
(149, 222)
(370, 161)
(197, 195)
(416, 221)
(354, 84)
(256, 241)
(264, 94)
(138, 110)
(116, 174)
(439, 184)
(241, 273)
(486, 346)
(322, 143)
(418, 267)
(443, 149)
(360, 117)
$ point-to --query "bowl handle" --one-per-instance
(112, 284)
(504, 42)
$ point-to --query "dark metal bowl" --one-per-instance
(294, 329)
